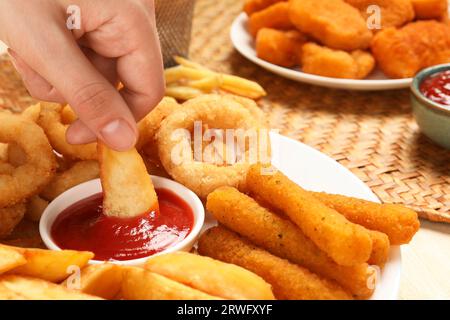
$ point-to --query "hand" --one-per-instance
(117, 41)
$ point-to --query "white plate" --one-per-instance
(244, 43)
(315, 171)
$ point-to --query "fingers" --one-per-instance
(79, 133)
(37, 86)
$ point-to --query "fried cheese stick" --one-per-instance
(289, 281)
(282, 238)
(345, 242)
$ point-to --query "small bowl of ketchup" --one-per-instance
(75, 221)
(431, 103)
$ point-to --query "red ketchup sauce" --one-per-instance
(83, 226)
(437, 87)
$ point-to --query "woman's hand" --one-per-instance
(117, 41)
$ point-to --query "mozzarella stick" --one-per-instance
(398, 222)
(345, 242)
(380, 248)
(252, 6)
(275, 16)
(289, 281)
(282, 238)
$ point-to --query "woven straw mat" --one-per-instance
(371, 133)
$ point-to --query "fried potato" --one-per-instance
(276, 16)
(282, 238)
(398, 222)
(35, 208)
(141, 284)
(282, 48)
(430, 9)
(10, 259)
(213, 277)
(252, 6)
(345, 242)
(393, 13)
(380, 249)
(49, 265)
(336, 24)
(127, 188)
(101, 280)
(289, 281)
(76, 174)
(32, 112)
(336, 63)
(401, 53)
(23, 288)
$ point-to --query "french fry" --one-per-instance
(183, 92)
(24, 288)
(128, 190)
(101, 280)
(10, 259)
(345, 242)
(49, 265)
(187, 63)
(211, 276)
(140, 284)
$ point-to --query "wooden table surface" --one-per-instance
(426, 261)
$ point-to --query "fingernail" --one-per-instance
(118, 135)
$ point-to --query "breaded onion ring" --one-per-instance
(51, 121)
(80, 172)
(182, 163)
(10, 218)
(27, 179)
(35, 208)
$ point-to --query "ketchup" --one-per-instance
(437, 88)
(83, 226)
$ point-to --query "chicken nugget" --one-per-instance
(275, 16)
(430, 9)
(401, 53)
(252, 6)
(282, 238)
(282, 48)
(393, 13)
(327, 62)
(289, 281)
(345, 242)
(335, 23)
(398, 222)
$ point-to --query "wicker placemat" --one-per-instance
(371, 133)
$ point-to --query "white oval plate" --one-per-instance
(315, 171)
(245, 44)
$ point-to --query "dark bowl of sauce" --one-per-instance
(75, 221)
(430, 98)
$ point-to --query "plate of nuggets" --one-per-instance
(344, 44)
(283, 220)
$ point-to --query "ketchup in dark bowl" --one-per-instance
(437, 87)
(83, 226)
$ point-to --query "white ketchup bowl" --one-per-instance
(93, 187)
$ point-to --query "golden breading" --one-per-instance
(430, 9)
(398, 222)
(393, 13)
(282, 48)
(380, 248)
(401, 53)
(289, 281)
(336, 24)
(252, 6)
(275, 16)
(346, 243)
(282, 238)
(336, 63)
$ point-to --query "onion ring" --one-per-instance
(51, 121)
(35, 208)
(79, 172)
(27, 179)
(175, 143)
(10, 218)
